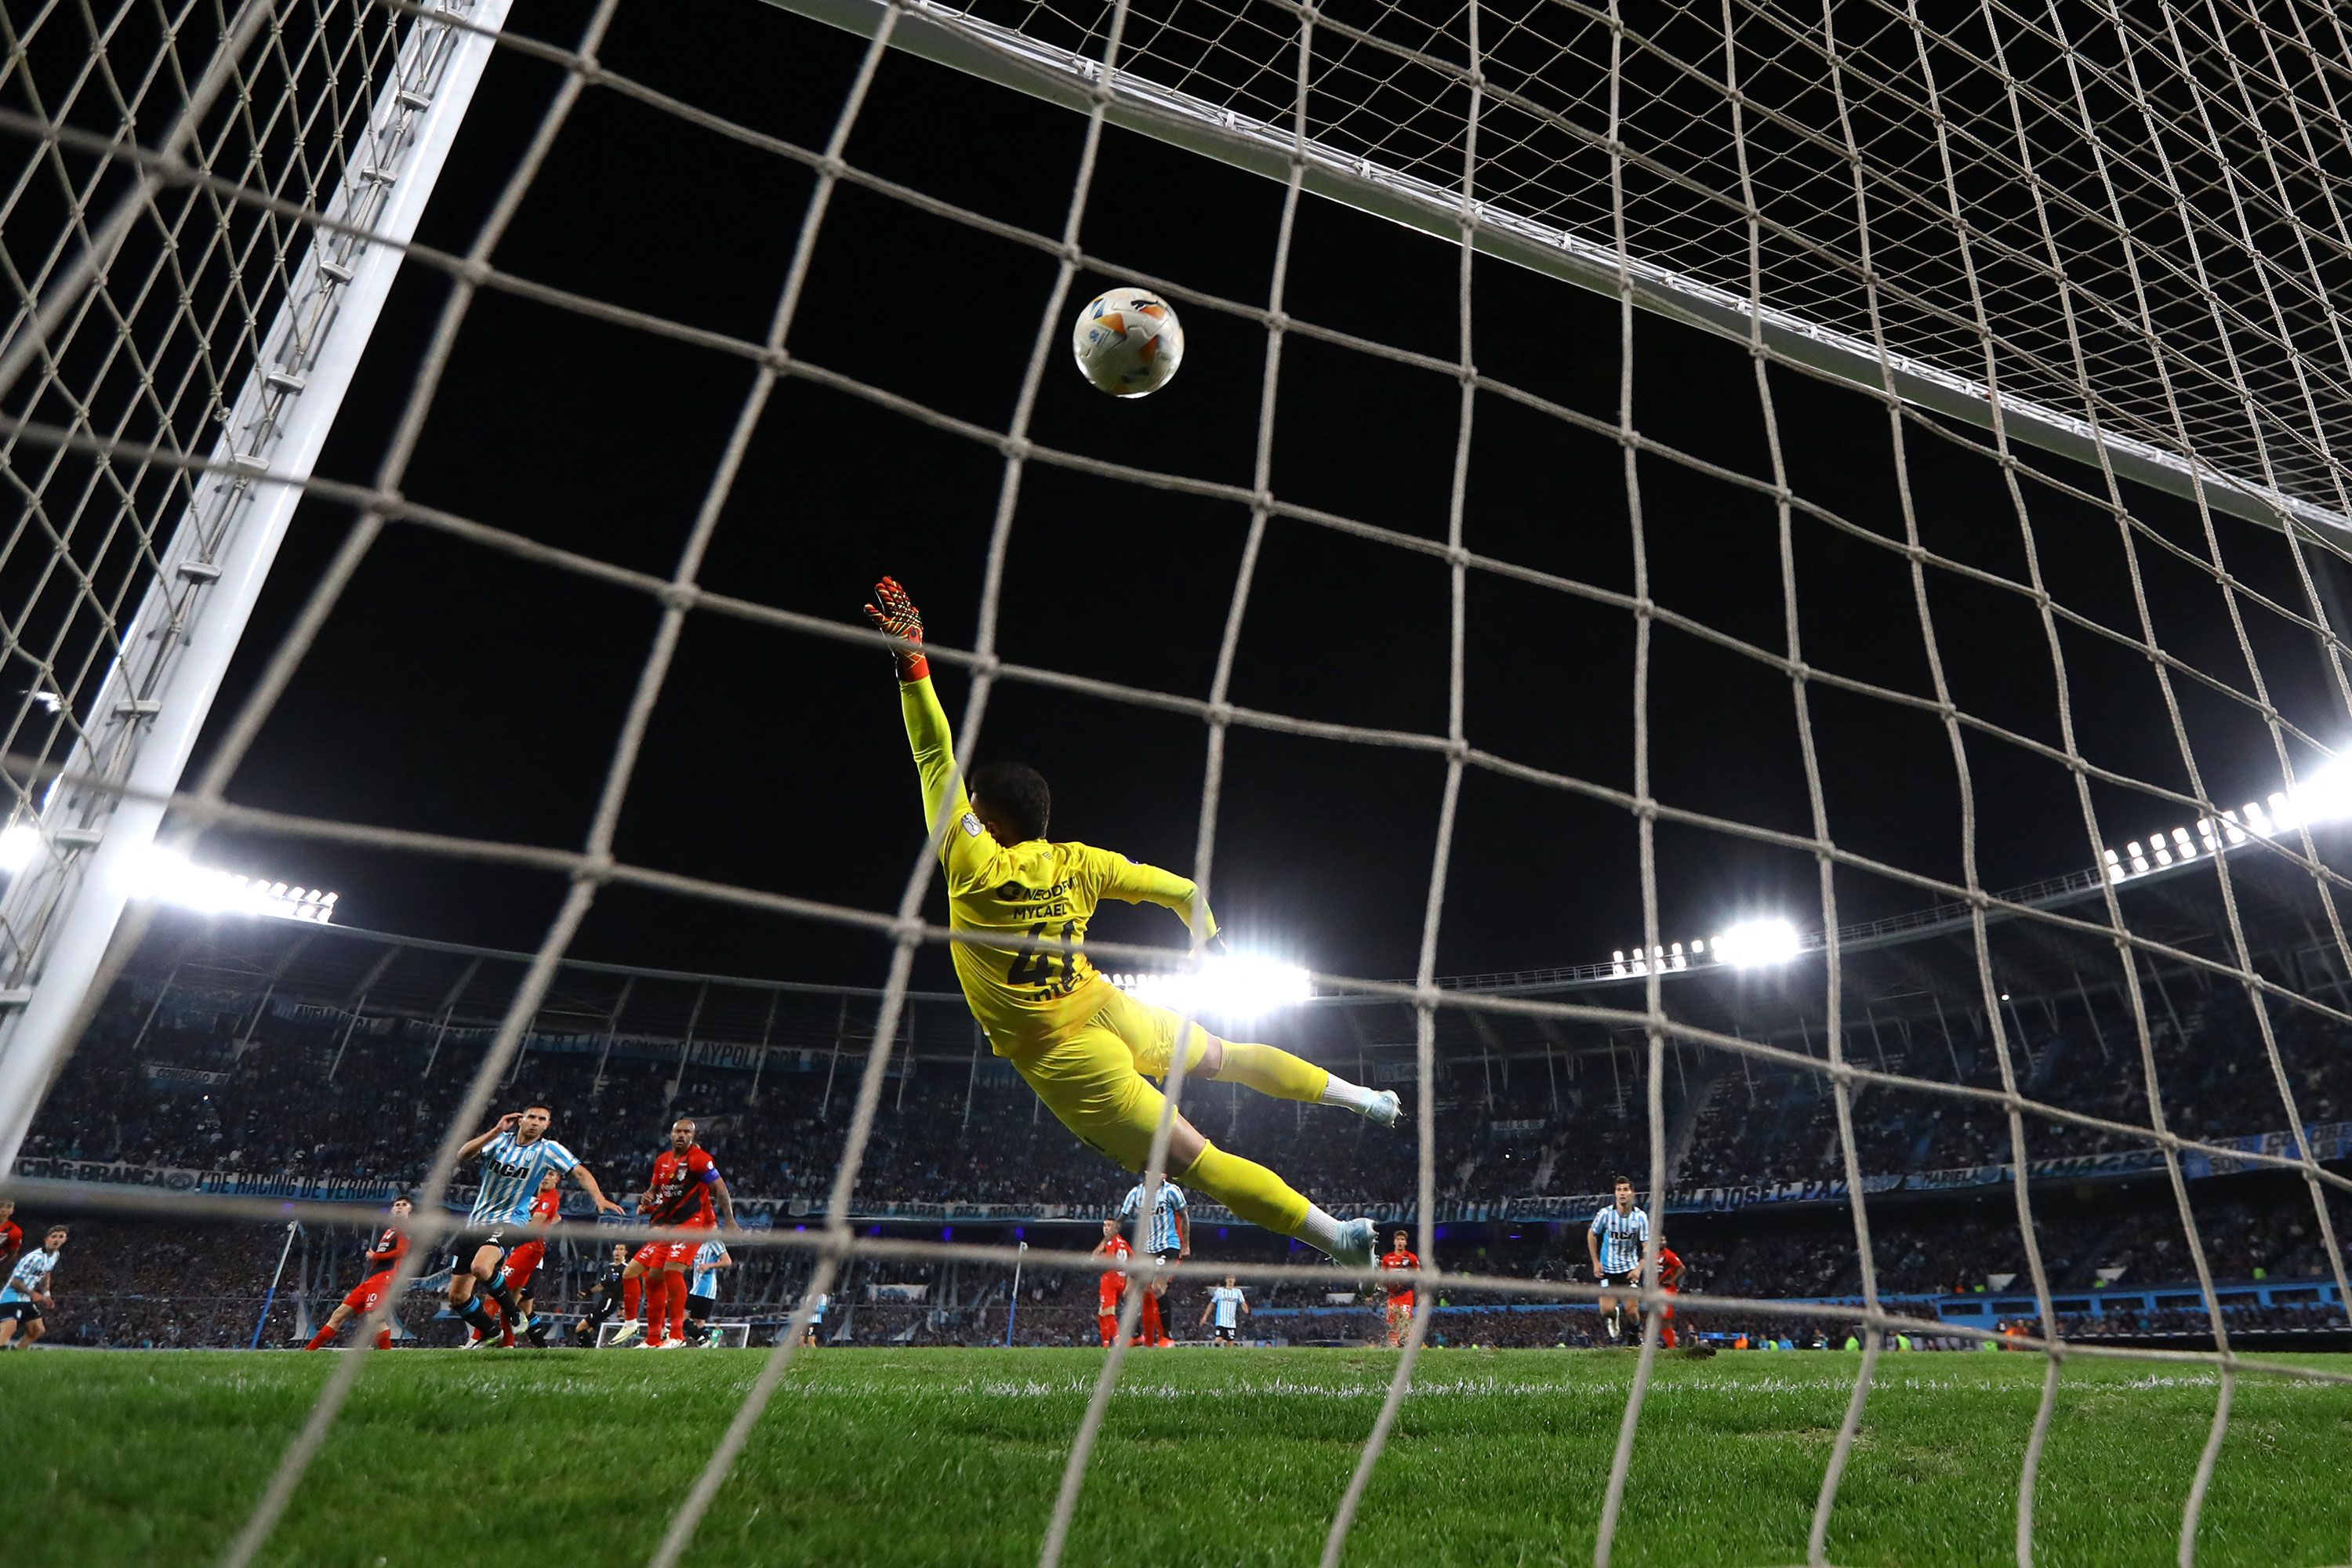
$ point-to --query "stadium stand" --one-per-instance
(318, 1061)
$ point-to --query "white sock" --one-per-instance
(1321, 1230)
(1354, 1096)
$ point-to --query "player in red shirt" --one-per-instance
(523, 1262)
(683, 1188)
(1670, 1274)
(515, 1272)
(1113, 1284)
(384, 1256)
(1400, 1296)
(12, 1235)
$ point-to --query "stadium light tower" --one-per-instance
(92, 844)
(1751, 944)
(170, 876)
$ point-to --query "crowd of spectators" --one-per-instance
(295, 1094)
(297, 1090)
(165, 1283)
(1942, 1252)
(221, 1084)
(1780, 1125)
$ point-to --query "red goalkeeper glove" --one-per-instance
(899, 617)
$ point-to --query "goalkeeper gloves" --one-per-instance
(899, 617)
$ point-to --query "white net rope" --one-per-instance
(1949, 171)
(138, 307)
(2194, 162)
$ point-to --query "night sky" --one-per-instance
(458, 690)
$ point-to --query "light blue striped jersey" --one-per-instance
(1225, 1305)
(706, 1278)
(1164, 1237)
(1623, 1236)
(30, 1276)
(510, 1172)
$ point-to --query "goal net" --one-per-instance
(1958, 392)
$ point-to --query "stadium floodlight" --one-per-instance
(172, 878)
(1752, 943)
(2324, 796)
(1238, 986)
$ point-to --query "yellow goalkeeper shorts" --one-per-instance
(1091, 1075)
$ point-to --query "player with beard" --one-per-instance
(515, 1153)
(684, 1186)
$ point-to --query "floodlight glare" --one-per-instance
(1238, 986)
(18, 843)
(1751, 944)
(2323, 796)
(173, 878)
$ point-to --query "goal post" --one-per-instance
(2164, 402)
(962, 40)
(97, 823)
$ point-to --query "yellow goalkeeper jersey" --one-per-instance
(1039, 889)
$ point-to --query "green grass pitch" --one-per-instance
(950, 1456)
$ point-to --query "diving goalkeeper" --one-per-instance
(1085, 1046)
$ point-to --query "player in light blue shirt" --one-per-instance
(1228, 1306)
(702, 1292)
(1172, 1227)
(515, 1153)
(27, 1295)
(1168, 1239)
(816, 1319)
(1614, 1240)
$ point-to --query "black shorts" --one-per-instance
(1224, 1334)
(1622, 1281)
(701, 1306)
(465, 1243)
(23, 1312)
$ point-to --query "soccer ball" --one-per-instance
(1128, 342)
